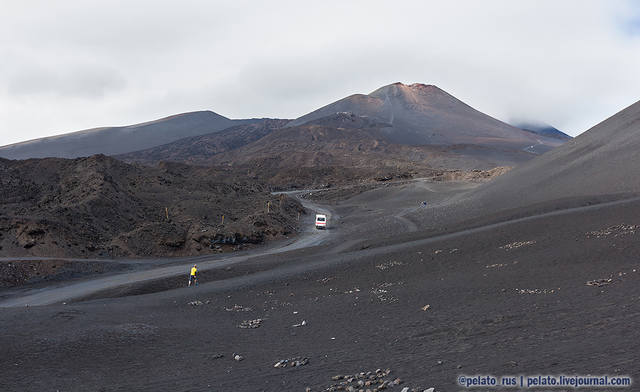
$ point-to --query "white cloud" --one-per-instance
(81, 64)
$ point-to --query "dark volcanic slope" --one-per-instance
(344, 147)
(604, 160)
(507, 301)
(338, 139)
(119, 140)
(599, 165)
(341, 147)
(99, 206)
(544, 129)
(423, 114)
(199, 149)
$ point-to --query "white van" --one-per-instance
(321, 221)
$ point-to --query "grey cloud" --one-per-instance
(101, 62)
(89, 82)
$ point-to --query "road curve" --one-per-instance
(52, 295)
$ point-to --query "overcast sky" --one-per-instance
(83, 64)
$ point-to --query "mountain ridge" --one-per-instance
(120, 139)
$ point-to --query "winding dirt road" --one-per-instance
(310, 238)
(66, 292)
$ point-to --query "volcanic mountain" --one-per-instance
(338, 148)
(120, 140)
(543, 129)
(413, 128)
(397, 115)
(420, 114)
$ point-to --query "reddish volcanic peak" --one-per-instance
(413, 87)
(413, 93)
(424, 114)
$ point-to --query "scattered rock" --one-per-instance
(326, 280)
(599, 282)
(292, 362)
(517, 244)
(450, 251)
(238, 308)
(372, 381)
(382, 294)
(536, 291)
(250, 323)
(616, 231)
(196, 303)
(302, 324)
(237, 357)
(388, 265)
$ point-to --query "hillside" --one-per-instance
(344, 139)
(101, 207)
(602, 161)
(120, 140)
(339, 148)
(597, 166)
(198, 150)
(419, 114)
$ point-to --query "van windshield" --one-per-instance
(320, 219)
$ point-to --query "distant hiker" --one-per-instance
(193, 277)
(424, 203)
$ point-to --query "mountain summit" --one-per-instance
(419, 114)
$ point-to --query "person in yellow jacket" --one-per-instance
(193, 277)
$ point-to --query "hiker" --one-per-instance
(193, 277)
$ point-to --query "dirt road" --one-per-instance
(66, 292)
(309, 239)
